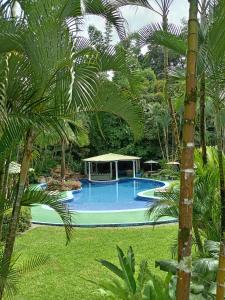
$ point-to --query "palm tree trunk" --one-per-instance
(63, 160)
(198, 239)
(10, 240)
(160, 144)
(220, 291)
(6, 176)
(187, 160)
(166, 94)
(166, 144)
(2, 175)
(202, 119)
(4, 193)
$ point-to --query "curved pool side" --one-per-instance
(115, 218)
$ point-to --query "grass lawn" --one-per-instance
(61, 277)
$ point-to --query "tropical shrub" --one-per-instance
(206, 205)
(61, 186)
(127, 284)
(203, 272)
(23, 224)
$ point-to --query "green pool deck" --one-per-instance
(44, 215)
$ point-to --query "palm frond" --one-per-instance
(166, 205)
(109, 11)
(113, 100)
(172, 38)
(34, 197)
(32, 263)
(217, 33)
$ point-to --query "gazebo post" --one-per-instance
(134, 175)
(116, 164)
(89, 170)
(110, 169)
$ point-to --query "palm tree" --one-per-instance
(41, 59)
(206, 204)
(175, 39)
(187, 159)
(213, 61)
(144, 34)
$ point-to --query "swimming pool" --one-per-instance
(113, 196)
(121, 203)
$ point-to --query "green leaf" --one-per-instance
(131, 259)
(167, 265)
(113, 268)
(143, 274)
(127, 271)
(149, 292)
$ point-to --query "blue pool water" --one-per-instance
(120, 195)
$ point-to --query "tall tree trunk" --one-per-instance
(166, 144)
(2, 175)
(10, 240)
(6, 176)
(187, 160)
(198, 238)
(4, 193)
(202, 119)
(221, 269)
(166, 93)
(160, 144)
(63, 159)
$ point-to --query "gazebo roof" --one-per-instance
(111, 157)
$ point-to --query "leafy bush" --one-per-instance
(32, 177)
(125, 284)
(23, 224)
(61, 186)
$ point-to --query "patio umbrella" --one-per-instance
(151, 162)
(173, 163)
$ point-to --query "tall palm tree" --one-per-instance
(56, 76)
(187, 159)
(213, 60)
(145, 33)
(161, 8)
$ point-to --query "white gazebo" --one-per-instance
(111, 158)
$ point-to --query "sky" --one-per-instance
(139, 17)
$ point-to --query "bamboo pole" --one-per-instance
(10, 240)
(187, 160)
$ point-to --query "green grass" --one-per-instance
(61, 278)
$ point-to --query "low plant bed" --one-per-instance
(62, 186)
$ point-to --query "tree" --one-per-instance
(187, 159)
(44, 59)
(145, 33)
